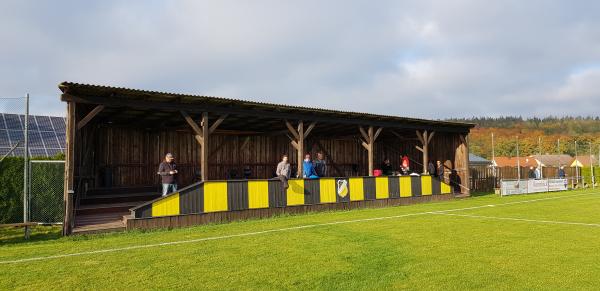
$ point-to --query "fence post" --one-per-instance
(26, 169)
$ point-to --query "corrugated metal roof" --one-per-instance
(478, 159)
(72, 87)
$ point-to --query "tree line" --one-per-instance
(548, 135)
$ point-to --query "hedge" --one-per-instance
(47, 205)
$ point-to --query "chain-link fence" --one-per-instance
(46, 188)
(12, 140)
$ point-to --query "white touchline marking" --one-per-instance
(276, 230)
(519, 219)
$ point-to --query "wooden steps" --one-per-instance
(105, 210)
(97, 223)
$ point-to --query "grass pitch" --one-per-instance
(541, 241)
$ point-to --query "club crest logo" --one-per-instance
(342, 188)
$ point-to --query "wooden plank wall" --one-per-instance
(130, 156)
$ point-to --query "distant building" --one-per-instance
(584, 161)
(512, 162)
(553, 160)
(475, 160)
(46, 135)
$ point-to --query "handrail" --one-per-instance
(162, 197)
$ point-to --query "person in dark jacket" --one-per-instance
(321, 165)
(440, 171)
(386, 167)
(531, 173)
(561, 172)
(168, 173)
(431, 168)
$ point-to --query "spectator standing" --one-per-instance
(321, 165)
(168, 174)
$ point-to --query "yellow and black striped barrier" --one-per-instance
(217, 196)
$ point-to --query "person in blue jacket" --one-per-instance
(308, 168)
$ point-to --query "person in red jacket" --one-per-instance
(405, 168)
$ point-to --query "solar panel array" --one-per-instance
(46, 135)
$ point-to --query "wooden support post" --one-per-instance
(425, 138)
(466, 179)
(300, 147)
(89, 116)
(201, 134)
(368, 142)
(371, 139)
(69, 169)
(204, 147)
(299, 134)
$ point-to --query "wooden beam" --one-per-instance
(420, 136)
(300, 147)
(69, 168)
(377, 133)
(430, 136)
(90, 116)
(217, 123)
(309, 129)
(204, 147)
(363, 133)
(370, 151)
(192, 123)
(425, 151)
(365, 145)
(295, 145)
(245, 143)
(396, 134)
(292, 130)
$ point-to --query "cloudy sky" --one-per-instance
(431, 59)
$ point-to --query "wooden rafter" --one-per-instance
(216, 124)
(90, 116)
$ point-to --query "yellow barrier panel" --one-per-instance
(215, 196)
(167, 206)
(405, 186)
(258, 194)
(426, 185)
(295, 192)
(328, 190)
(357, 190)
(382, 188)
(445, 188)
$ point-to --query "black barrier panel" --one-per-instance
(277, 195)
(369, 188)
(312, 193)
(144, 211)
(394, 186)
(415, 185)
(237, 195)
(191, 200)
(342, 188)
(436, 187)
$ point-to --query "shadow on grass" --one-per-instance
(482, 193)
(16, 235)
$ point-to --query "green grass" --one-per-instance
(426, 251)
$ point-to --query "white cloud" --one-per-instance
(418, 58)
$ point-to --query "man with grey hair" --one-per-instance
(168, 173)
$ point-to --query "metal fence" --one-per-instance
(486, 178)
(46, 188)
